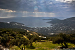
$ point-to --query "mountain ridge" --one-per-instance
(57, 26)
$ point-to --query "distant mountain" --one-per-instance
(63, 25)
(69, 22)
(58, 26)
(12, 25)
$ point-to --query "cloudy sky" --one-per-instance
(37, 8)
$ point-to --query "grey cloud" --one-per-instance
(28, 5)
(49, 6)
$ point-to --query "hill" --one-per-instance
(58, 26)
(12, 25)
(63, 25)
(18, 37)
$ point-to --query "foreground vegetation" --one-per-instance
(20, 39)
(48, 45)
(17, 37)
(63, 39)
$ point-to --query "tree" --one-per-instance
(24, 42)
(62, 39)
(72, 38)
(5, 40)
(33, 38)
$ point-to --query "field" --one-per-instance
(48, 45)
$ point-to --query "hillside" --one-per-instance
(63, 25)
(57, 26)
(12, 25)
(18, 37)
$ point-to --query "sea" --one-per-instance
(29, 21)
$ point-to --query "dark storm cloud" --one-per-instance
(36, 8)
(9, 4)
(15, 4)
(28, 5)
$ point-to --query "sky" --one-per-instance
(37, 8)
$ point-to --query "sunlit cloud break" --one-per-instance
(66, 1)
(38, 14)
(5, 13)
(10, 11)
(7, 10)
(7, 17)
